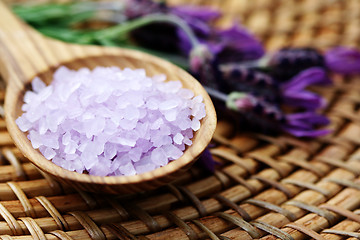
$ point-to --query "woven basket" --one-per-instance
(266, 188)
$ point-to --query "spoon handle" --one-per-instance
(24, 52)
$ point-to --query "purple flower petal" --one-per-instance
(303, 98)
(310, 117)
(204, 14)
(235, 43)
(198, 18)
(304, 124)
(311, 76)
(343, 60)
(306, 133)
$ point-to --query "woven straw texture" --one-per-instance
(265, 188)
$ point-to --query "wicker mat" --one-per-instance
(265, 188)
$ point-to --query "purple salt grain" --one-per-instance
(109, 121)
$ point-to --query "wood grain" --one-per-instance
(26, 54)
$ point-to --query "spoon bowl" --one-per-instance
(26, 54)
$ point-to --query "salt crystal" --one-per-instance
(23, 123)
(123, 141)
(135, 154)
(109, 121)
(127, 124)
(195, 124)
(171, 115)
(167, 105)
(184, 124)
(35, 138)
(131, 113)
(51, 140)
(45, 93)
(186, 93)
(127, 169)
(31, 97)
(187, 141)
(66, 138)
(49, 153)
(110, 150)
(159, 78)
(178, 138)
(156, 125)
(71, 147)
(159, 157)
(200, 111)
(172, 151)
(145, 165)
(152, 104)
(37, 85)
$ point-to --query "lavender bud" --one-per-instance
(343, 60)
(138, 8)
(203, 66)
(246, 103)
(244, 79)
(287, 62)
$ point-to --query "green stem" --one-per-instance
(127, 27)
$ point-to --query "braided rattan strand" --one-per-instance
(8, 172)
(277, 220)
(345, 225)
(19, 171)
(182, 225)
(28, 208)
(61, 235)
(320, 197)
(343, 233)
(33, 228)
(93, 230)
(54, 213)
(306, 231)
(11, 221)
(317, 224)
(75, 235)
(31, 188)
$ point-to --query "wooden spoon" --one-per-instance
(26, 54)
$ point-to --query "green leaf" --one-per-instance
(68, 35)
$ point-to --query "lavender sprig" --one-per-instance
(292, 93)
(269, 116)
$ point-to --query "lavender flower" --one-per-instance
(302, 124)
(203, 66)
(268, 117)
(245, 102)
(198, 18)
(343, 60)
(287, 62)
(235, 44)
(293, 93)
(165, 36)
(243, 79)
(229, 45)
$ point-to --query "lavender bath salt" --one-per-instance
(109, 121)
